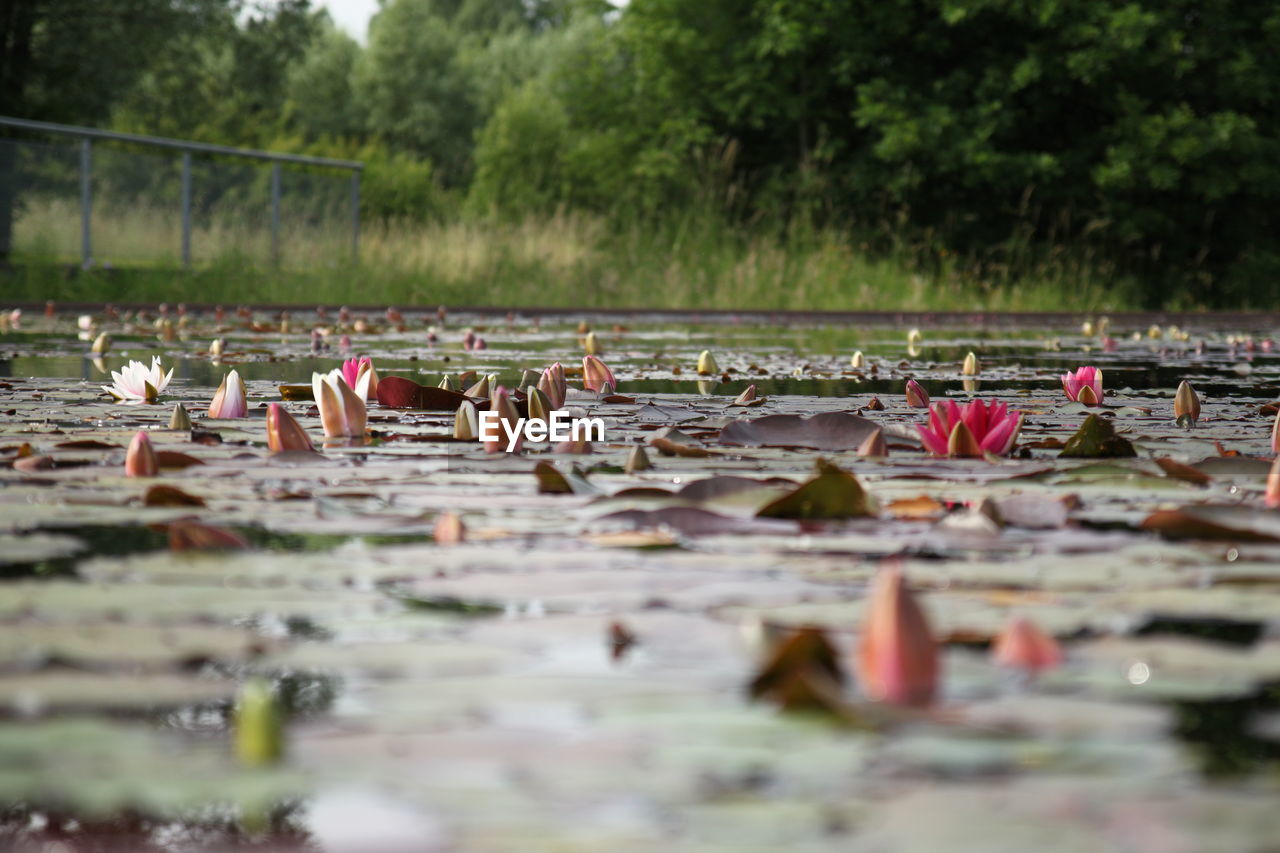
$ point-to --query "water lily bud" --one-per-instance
(342, 413)
(583, 328)
(1024, 646)
(707, 363)
(284, 432)
(529, 377)
(468, 340)
(595, 374)
(179, 420)
(85, 322)
(917, 397)
(1273, 485)
(449, 529)
(229, 401)
(1275, 434)
(101, 344)
(1186, 404)
(748, 394)
(506, 410)
(216, 347)
(259, 725)
(466, 422)
(874, 446)
(856, 361)
(540, 407)
(970, 366)
(897, 656)
(591, 344)
(1154, 332)
(140, 459)
(1086, 328)
(480, 390)
(962, 444)
(447, 383)
(914, 337)
(574, 445)
(637, 460)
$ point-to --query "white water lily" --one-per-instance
(137, 383)
(342, 411)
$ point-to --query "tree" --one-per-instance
(70, 60)
(417, 95)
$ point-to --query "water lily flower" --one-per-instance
(229, 401)
(140, 460)
(595, 374)
(971, 430)
(917, 397)
(449, 529)
(897, 655)
(554, 384)
(707, 363)
(361, 377)
(509, 417)
(342, 412)
(137, 383)
(284, 432)
(466, 422)
(637, 460)
(1272, 496)
(1083, 386)
(85, 322)
(179, 419)
(1022, 645)
(539, 403)
(1186, 404)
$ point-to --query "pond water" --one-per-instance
(573, 671)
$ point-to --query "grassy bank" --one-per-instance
(556, 261)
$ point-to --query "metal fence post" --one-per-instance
(186, 210)
(275, 213)
(86, 201)
(355, 216)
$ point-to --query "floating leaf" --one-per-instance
(163, 495)
(1097, 439)
(832, 494)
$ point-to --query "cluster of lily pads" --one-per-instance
(547, 597)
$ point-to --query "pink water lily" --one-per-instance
(971, 430)
(1083, 386)
(361, 377)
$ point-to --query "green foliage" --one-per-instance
(974, 140)
(414, 90)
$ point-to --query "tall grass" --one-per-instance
(557, 260)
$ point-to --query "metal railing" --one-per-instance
(87, 136)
